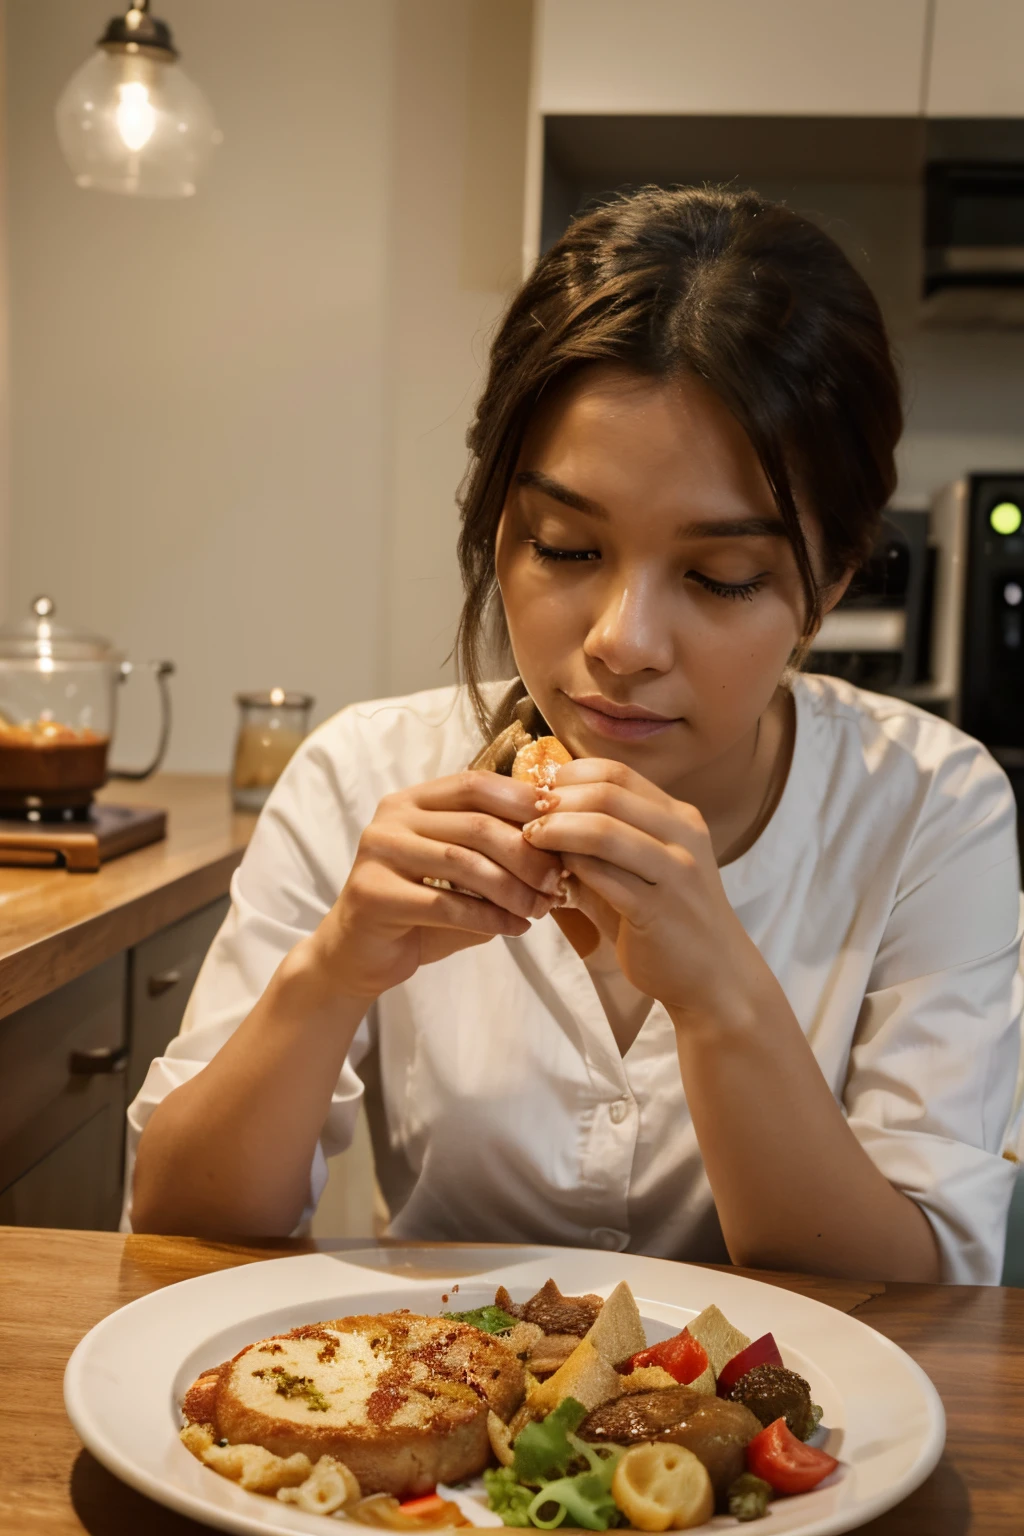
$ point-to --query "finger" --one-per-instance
(601, 837)
(668, 821)
(497, 840)
(605, 770)
(411, 905)
(475, 790)
(586, 900)
(604, 887)
(419, 858)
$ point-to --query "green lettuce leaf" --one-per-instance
(507, 1497)
(543, 1450)
(585, 1499)
(537, 1489)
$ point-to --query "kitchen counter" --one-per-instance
(55, 926)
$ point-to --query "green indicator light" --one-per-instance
(1006, 517)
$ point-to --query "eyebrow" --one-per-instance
(709, 528)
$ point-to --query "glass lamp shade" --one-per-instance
(133, 122)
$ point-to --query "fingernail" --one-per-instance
(552, 883)
(532, 827)
(546, 802)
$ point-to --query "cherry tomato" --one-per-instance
(785, 1462)
(683, 1357)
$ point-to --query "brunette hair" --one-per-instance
(745, 294)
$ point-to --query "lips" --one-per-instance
(619, 722)
(595, 702)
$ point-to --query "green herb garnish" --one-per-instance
(488, 1319)
(301, 1386)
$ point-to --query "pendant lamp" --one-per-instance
(130, 120)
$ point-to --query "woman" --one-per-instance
(795, 1043)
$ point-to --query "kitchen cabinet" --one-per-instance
(746, 57)
(95, 973)
(62, 1104)
(977, 59)
(162, 972)
(71, 1063)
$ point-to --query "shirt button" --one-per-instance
(618, 1111)
(608, 1237)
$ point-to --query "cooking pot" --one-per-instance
(58, 707)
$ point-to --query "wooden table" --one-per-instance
(55, 926)
(55, 1285)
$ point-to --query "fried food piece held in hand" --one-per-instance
(538, 761)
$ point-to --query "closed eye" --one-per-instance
(729, 589)
(547, 552)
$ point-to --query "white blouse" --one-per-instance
(883, 894)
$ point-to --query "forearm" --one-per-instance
(793, 1187)
(230, 1151)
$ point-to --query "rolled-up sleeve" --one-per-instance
(285, 885)
(933, 1068)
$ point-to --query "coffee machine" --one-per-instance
(978, 526)
(938, 616)
(879, 635)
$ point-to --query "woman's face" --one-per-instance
(652, 597)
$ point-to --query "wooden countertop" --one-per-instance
(54, 1286)
(54, 925)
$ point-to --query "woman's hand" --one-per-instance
(650, 881)
(465, 829)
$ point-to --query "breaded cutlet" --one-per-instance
(401, 1399)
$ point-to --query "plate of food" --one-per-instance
(541, 1388)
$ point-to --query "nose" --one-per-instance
(632, 630)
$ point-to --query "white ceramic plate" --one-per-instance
(126, 1379)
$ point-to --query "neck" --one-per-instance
(737, 792)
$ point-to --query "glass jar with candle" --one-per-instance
(269, 730)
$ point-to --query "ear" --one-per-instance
(834, 593)
(830, 596)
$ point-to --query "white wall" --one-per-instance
(459, 145)
(238, 421)
(197, 386)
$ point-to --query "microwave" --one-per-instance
(974, 223)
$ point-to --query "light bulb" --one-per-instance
(135, 115)
(130, 120)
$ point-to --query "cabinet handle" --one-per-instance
(102, 1058)
(162, 982)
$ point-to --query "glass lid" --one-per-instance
(38, 637)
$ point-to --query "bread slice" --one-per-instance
(720, 1339)
(401, 1399)
(618, 1332)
